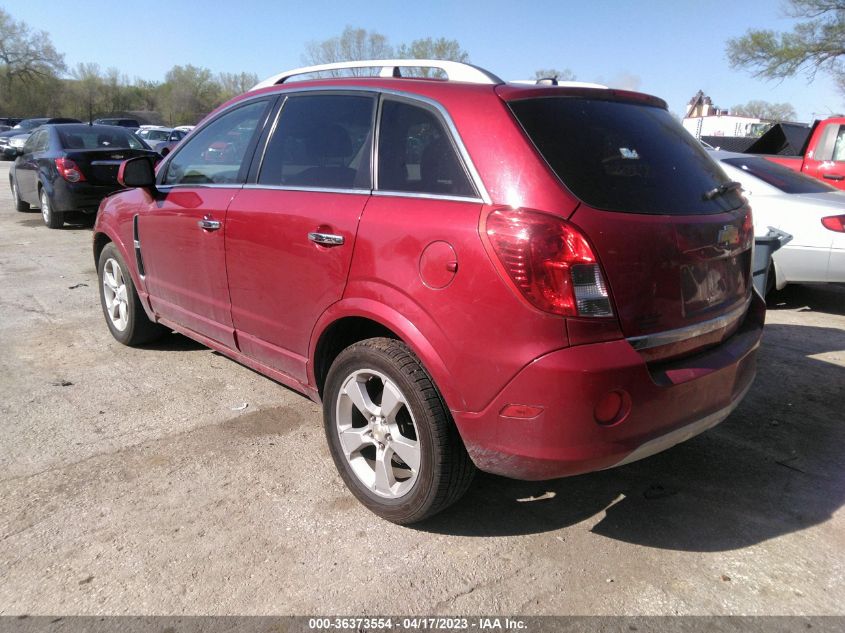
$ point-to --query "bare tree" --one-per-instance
(766, 111)
(27, 59)
(554, 73)
(351, 45)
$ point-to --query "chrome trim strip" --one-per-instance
(682, 434)
(294, 88)
(426, 196)
(648, 341)
(358, 192)
(233, 185)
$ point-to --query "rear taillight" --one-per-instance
(69, 170)
(834, 223)
(550, 262)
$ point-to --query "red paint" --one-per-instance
(261, 292)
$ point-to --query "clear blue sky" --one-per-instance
(670, 48)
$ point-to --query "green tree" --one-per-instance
(430, 48)
(815, 43)
(86, 91)
(233, 84)
(554, 73)
(188, 94)
(29, 67)
(351, 45)
(766, 111)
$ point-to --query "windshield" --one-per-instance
(29, 124)
(778, 176)
(621, 156)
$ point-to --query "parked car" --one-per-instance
(808, 209)
(537, 281)
(154, 135)
(27, 126)
(69, 169)
(173, 139)
(10, 121)
(127, 123)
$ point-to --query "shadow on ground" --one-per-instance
(775, 466)
(828, 298)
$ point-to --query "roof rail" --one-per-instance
(455, 71)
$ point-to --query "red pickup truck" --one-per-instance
(823, 153)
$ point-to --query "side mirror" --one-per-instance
(137, 172)
(19, 151)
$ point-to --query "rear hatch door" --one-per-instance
(672, 233)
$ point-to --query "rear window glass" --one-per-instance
(622, 156)
(779, 176)
(88, 137)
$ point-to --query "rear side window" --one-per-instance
(416, 154)
(321, 141)
(779, 176)
(215, 155)
(621, 156)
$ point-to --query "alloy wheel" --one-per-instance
(114, 292)
(378, 434)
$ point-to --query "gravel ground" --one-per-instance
(133, 481)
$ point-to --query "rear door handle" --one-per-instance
(833, 177)
(326, 239)
(208, 225)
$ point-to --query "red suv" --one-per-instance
(536, 281)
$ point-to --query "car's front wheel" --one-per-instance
(20, 205)
(122, 308)
(52, 218)
(390, 434)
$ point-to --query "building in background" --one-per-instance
(702, 118)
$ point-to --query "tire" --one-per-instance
(122, 308)
(52, 218)
(20, 205)
(417, 431)
(771, 279)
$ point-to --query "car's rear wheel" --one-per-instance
(122, 308)
(52, 218)
(390, 434)
(20, 205)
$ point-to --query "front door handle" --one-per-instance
(326, 239)
(834, 177)
(207, 224)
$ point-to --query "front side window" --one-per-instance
(216, 154)
(416, 154)
(321, 141)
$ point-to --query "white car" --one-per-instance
(806, 208)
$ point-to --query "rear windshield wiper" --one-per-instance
(722, 190)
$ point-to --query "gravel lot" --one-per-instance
(132, 483)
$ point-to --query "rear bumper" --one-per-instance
(663, 404)
(82, 197)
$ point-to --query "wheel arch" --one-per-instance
(353, 320)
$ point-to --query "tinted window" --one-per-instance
(416, 153)
(321, 141)
(216, 153)
(779, 176)
(36, 142)
(623, 156)
(88, 137)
